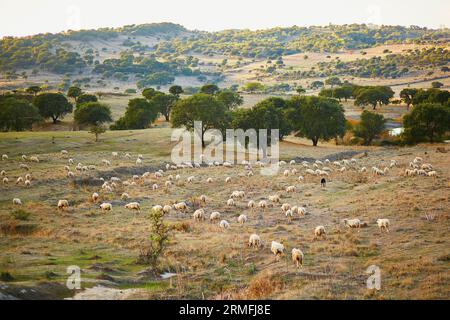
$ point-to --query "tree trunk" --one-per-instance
(96, 137)
(315, 141)
(54, 120)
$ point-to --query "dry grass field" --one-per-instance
(209, 263)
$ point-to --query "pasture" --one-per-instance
(211, 263)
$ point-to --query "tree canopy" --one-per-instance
(52, 105)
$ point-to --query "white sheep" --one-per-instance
(95, 197)
(106, 206)
(168, 184)
(227, 179)
(199, 215)
(383, 224)
(19, 180)
(352, 223)
(301, 178)
(167, 208)
(125, 196)
(17, 202)
(263, 204)
(432, 174)
(63, 204)
(106, 163)
(224, 225)
(34, 159)
(286, 173)
(277, 249)
(157, 207)
(289, 214)
(297, 257)
(133, 206)
(302, 211)
(319, 231)
(242, 219)
(181, 206)
(5, 180)
(230, 202)
(274, 198)
(190, 179)
(251, 204)
(155, 186)
(290, 189)
(209, 180)
(3, 173)
(214, 216)
(27, 183)
(4, 157)
(202, 198)
(285, 207)
(254, 241)
(24, 157)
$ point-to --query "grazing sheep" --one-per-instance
(230, 202)
(383, 224)
(224, 225)
(166, 209)
(5, 180)
(363, 169)
(168, 184)
(343, 169)
(274, 198)
(294, 171)
(432, 174)
(263, 204)
(277, 249)
(202, 198)
(285, 207)
(199, 215)
(125, 196)
(242, 219)
(106, 206)
(319, 231)
(63, 204)
(190, 179)
(286, 173)
(290, 189)
(301, 211)
(297, 257)
(106, 163)
(4, 157)
(158, 175)
(139, 162)
(301, 178)
(19, 180)
(114, 154)
(289, 214)
(34, 159)
(254, 241)
(227, 179)
(64, 152)
(352, 223)
(17, 202)
(71, 161)
(157, 208)
(214, 216)
(133, 206)
(127, 155)
(310, 171)
(292, 162)
(251, 204)
(181, 206)
(95, 197)
(27, 183)
(209, 180)
(155, 186)
(24, 157)
(3, 173)
(28, 177)
(24, 166)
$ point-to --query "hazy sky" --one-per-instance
(24, 17)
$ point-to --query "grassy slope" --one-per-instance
(414, 257)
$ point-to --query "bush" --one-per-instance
(21, 215)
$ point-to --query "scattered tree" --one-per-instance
(52, 105)
(370, 126)
(94, 115)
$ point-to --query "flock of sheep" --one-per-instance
(318, 168)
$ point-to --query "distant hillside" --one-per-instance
(160, 54)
